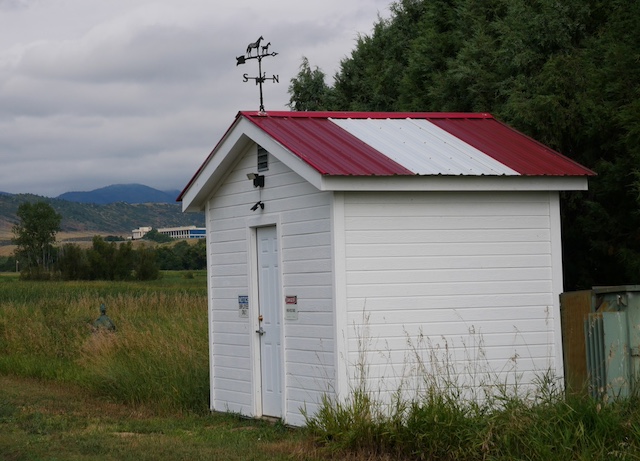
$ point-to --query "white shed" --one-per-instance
(343, 242)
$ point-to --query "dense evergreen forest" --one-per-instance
(566, 72)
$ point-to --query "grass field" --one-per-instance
(159, 353)
(69, 393)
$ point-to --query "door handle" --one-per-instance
(260, 331)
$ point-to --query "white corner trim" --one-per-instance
(557, 279)
(340, 296)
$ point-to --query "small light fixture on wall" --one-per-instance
(258, 179)
(258, 204)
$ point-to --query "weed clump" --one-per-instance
(446, 420)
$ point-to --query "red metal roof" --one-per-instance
(510, 147)
(333, 151)
(328, 148)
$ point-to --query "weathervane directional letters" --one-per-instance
(257, 51)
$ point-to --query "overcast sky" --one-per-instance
(100, 92)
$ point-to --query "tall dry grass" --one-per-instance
(444, 419)
(158, 355)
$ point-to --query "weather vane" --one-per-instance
(260, 52)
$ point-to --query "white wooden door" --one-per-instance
(270, 327)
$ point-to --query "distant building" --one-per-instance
(184, 232)
(139, 232)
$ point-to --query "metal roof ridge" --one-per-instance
(366, 115)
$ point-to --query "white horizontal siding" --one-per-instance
(409, 341)
(467, 273)
(406, 315)
(460, 301)
(461, 249)
(403, 277)
(302, 215)
(427, 289)
(427, 261)
(453, 236)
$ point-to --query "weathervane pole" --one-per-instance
(260, 52)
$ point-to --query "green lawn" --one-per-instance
(43, 420)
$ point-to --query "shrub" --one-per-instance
(7, 264)
(146, 267)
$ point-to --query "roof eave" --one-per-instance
(203, 182)
(238, 137)
(441, 183)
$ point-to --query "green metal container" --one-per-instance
(612, 341)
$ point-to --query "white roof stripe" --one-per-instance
(422, 147)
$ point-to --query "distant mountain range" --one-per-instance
(115, 209)
(127, 193)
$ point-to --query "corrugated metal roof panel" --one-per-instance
(328, 148)
(422, 147)
(510, 147)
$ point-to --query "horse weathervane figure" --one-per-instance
(260, 52)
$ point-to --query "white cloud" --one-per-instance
(96, 92)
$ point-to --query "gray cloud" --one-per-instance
(14, 4)
(126, 91)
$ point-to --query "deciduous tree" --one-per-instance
(308, 90)
(34, 235)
